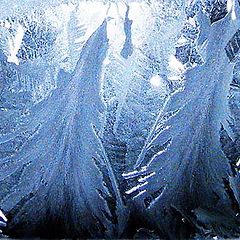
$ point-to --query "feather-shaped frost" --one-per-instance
(183, 174)
(59, 181)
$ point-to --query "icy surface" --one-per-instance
(119, 119)
(183, 149)
(60, 163)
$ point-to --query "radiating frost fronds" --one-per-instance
(184, 180)
(138, 85)
(58, 181)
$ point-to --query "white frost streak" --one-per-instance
(229, 5)
(157, 82)
(143, 179)
(134, 173)
(2, 216)
(157, 198)
(136, 188)
(231, 8)
(238, 163)
(15, 44)
(139, 194)
(174, 64)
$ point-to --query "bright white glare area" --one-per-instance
(173, 78)
(174, 64)
(59, 16)
(91, 14)
(115, 30)
(182, 40)
(106, 61)
(156, 81)
(140, 13)
(234, 17)
(15, 44)
(5, 24)
(192, 21)
(231, 7)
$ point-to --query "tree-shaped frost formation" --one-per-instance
(59, 182)
(183, 178)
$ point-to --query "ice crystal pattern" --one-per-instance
(120, 119)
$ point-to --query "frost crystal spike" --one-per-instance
(128, 46)
(59, 182)
(3, 220)
(182, 170)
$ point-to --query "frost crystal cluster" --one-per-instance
(120, 119)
